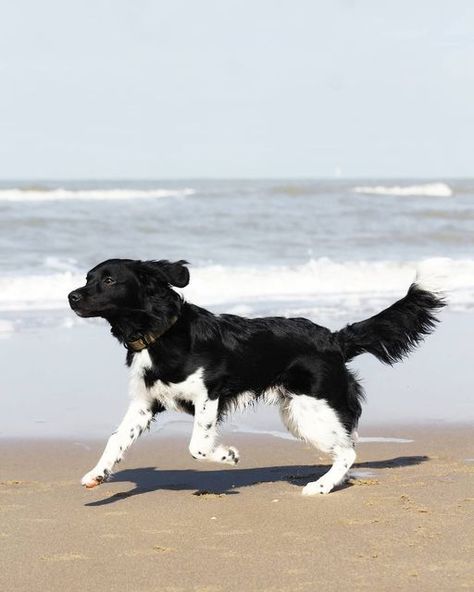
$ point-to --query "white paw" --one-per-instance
(226, 454)
(319, 487)
(94, 478)
(199, 452)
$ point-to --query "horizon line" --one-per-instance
(230, 178)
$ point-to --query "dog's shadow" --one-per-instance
(229, 481)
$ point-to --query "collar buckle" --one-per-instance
(147, 339)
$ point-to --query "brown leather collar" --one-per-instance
(148, 338)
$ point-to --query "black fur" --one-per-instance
(393, 333)
(246, 355)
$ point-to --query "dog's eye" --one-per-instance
(108, 281)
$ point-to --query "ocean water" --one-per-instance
(324, 249)
(334, 251)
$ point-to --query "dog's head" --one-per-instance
(118, 287)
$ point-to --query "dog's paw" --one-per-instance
(94, 478)
(226, 454)
(320, 487)
(199, 451)
(198, 455)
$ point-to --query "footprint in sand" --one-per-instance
(12, 482)
(160, 549)
(364, 481)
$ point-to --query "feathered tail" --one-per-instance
(393, 333)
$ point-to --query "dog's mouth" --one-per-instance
(80, 313)
(83, 313)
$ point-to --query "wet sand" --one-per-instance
(169, 523)
(81, 390)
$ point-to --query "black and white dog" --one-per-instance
(185, 358)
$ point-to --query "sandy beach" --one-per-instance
(165, 522)
(303, 160)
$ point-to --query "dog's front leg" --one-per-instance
(136, 420)
(203, 440)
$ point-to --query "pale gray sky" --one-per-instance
(236, 88)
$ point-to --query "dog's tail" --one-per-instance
(396, 331)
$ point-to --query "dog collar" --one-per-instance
(137, 345)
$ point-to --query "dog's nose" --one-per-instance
(74, 297)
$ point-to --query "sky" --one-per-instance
(152, 89)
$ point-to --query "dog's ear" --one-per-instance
(173, 273)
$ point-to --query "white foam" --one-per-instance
(61, 194)
(82, 445)
(6, 328)
(38, 292)
(287, 436)
(275, 433)
(322, 285)
(55, 263)
(327, 285)
(361, 474)
(428, 189)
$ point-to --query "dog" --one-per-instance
(183, 357)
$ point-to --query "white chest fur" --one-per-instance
(191, 389)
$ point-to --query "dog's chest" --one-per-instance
(169, 395)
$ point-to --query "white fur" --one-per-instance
(273, 396)
(316, 422)
(313, 420)
(242, 401)
(138, 418)
(203, 440)
(192, 389)
(306, 417)
(428, 277)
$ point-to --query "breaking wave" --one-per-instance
(428, 189)
(320, 287)
(60, 194)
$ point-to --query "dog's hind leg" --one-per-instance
(315, 421)
(204, 436)
(137, 419)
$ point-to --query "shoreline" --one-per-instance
(76, 384)
(176, 429)
(168, 522)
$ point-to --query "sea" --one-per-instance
(334, 251)
(325, 249)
